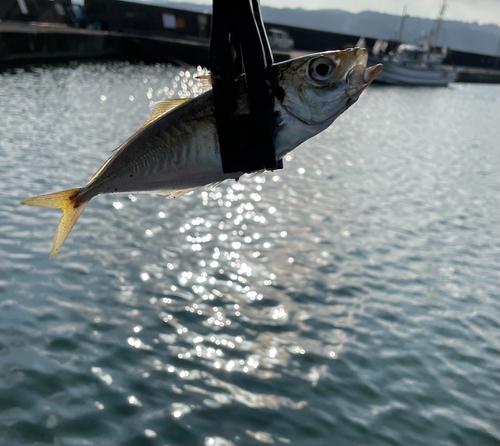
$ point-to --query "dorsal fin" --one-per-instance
(158, 109)
(163, 107)
(206, 83)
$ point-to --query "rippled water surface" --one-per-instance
(351, 298)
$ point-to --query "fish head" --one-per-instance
(317, 88)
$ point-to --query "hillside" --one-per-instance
(461, 36)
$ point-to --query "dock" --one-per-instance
(40, 42)
(51, 42)
(478, 75)
(34, 42)
(22, 43)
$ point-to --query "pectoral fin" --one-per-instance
(206, 82)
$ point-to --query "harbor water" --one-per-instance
(350, 298)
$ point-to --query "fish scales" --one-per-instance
(166, 150)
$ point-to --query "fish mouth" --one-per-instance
(360, 77)
(372, 73)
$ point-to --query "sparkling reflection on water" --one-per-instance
(350, 298)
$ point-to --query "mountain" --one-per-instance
(461, 36)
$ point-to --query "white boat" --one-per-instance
(415, 64)
(418, 63)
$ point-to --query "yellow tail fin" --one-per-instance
(71, 211)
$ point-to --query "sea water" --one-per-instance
(350, 298)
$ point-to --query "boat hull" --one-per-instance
(404, 75)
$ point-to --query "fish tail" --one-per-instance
(71, 208)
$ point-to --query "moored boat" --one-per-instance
(416, 64)
(419, 63)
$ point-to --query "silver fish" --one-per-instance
(177, 150)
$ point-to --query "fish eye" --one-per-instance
(321, 69)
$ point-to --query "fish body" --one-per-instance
(175, 153)
(177, 150)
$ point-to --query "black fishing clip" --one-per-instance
(238, 44)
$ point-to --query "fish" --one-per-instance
(177, 150)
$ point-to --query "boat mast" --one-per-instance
(435, 40)
(497, 59)
(402, 25)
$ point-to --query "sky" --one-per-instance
(481, 11)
